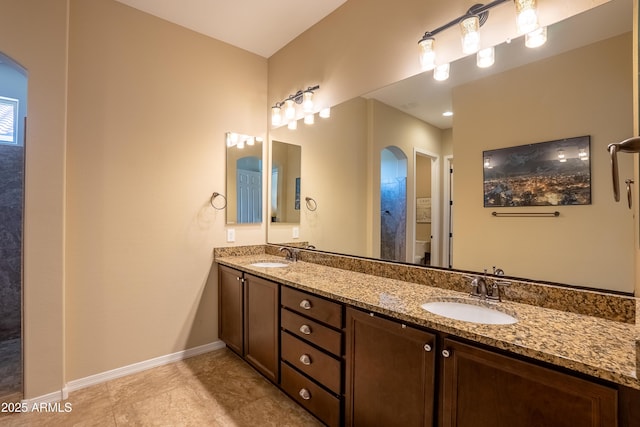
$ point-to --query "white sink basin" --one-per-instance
(270, 264)
(469, 312)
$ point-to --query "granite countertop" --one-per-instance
(601, 348)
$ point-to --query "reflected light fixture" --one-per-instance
(536, 38)
(441, 72)
(239, 140)
(561, 157)
(486, 57)
(290, 116)
(582, 154)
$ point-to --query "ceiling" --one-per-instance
(259, 26)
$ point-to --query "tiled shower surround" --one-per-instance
(11, 202)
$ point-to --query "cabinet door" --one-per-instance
(230, 303)
(261, 332)
(483, 388)
(390, 373)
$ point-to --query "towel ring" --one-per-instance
(213, 198)
(312, 205)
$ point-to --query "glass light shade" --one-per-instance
(232, 139)
(289, 110)
(251, 140)
(486, 57)
(307, 102)
(308, 119)
(427, 54)
(240, 144)
(293, 125)
(325, 113)
(536, 38)
(526, 15)
(276, 116)
(441, 72)
(470, 28)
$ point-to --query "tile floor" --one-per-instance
(213, 389)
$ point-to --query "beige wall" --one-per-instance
(149, 105)
(34, 34)
(571, 104)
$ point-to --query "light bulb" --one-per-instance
(536, 38)
(293, 125)
(289, 110)
(276, 116)
(251, 140)
(526, 15)
(307, 102)
(308, 119)
(486, 57)
(232, 139)
(441, 72)
(427, 54)
(325, 113)
(470, 28)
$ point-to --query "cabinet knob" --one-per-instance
(446, 353)
(305, 329)
(305, 359)
(306, 304)
(304, 393)
(427, 347)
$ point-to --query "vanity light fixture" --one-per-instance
(582, 154)
(486, 57)
(561, 156)
(441, 72)
(291, 115)
(470, 23)
(239, 140)
(536, 38)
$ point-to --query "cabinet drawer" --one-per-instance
(311, 361)
(316, 400)
(318, 308)
(311, 331)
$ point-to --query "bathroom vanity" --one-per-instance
(358, 349)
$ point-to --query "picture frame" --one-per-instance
(8, 120)
(423, 210)
(552, 173)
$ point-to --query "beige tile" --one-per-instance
(141, 386)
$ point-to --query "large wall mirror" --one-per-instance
(579, 83)
(244, 179)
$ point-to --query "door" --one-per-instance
(230, 308)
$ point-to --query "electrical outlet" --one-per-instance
(231, 235)
(296, 232)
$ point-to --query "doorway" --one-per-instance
(13, 107)
(426, 230)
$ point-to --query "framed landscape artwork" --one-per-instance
(553, 173)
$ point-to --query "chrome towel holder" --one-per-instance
(526, 214)
(213, 198)
(312, 205)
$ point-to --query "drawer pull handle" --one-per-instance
(304, 393)
(446, 353)
(305, 359)
(427, 347)
(306, 304)
(305, 329)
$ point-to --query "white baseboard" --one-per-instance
(123, 371)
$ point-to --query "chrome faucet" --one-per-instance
(483, 288)
(292, 254)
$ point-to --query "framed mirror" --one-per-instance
(579, 83)
(244, 179)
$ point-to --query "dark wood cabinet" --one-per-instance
(312, 349)
(231, 308)
(390, 372)
(485, 388)
(248, 319)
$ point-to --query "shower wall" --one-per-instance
(393, 221)
(11, 205)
